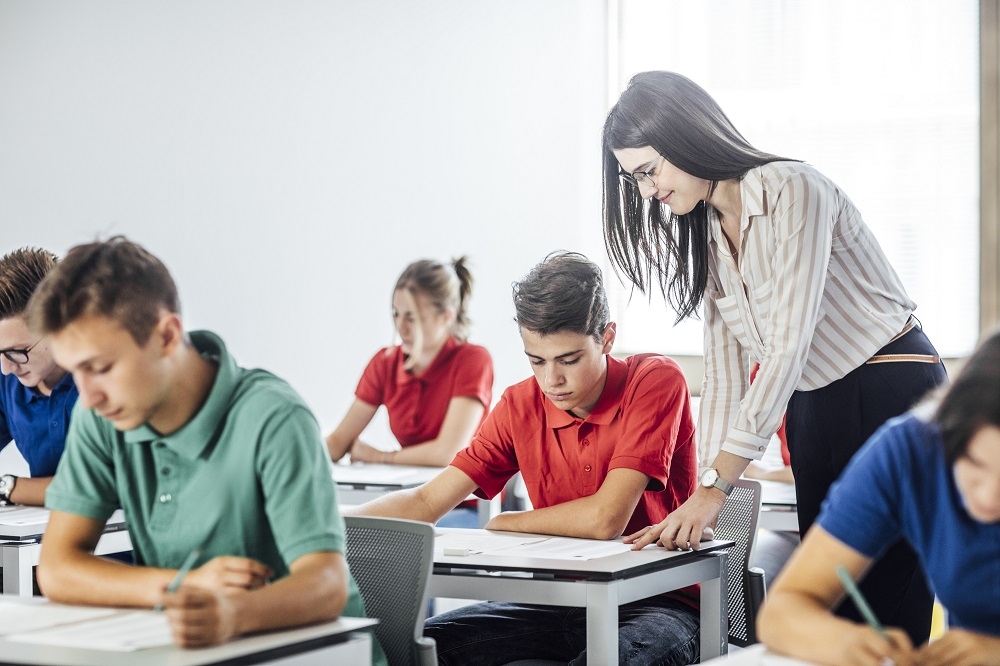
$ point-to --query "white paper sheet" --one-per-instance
(120, 632)
(23, 515)
(505, 545)
(21, 617)
(363, 475)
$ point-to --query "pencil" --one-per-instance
(183, 571)
(859, 600)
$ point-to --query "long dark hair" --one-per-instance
(973, 399)
(682, 122)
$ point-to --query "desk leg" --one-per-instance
(715, 611)
(17, 566)
(602, 623)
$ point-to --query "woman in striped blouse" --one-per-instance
(788, 275)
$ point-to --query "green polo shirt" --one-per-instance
(247, 476)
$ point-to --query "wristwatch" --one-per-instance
(7, 482)
(709, 479)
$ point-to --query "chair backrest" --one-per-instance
(738, 522)
(391, 560)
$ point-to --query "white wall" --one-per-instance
(286, 159)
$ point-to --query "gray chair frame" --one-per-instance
(746, 590)
(391, 560)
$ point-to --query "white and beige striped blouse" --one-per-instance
(812, 297)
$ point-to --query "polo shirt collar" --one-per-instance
(196, 434)
(64, 384)
(607, 406)
(403, 377)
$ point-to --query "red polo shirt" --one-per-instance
(417, 404)
(642, 421)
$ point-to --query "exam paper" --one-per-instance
(553, 548)
(21, 617)
(119, 632)
(23, 515)
(360, 474)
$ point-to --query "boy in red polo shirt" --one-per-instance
(605, 447)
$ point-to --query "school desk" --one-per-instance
(358, 483)
(21, 530)
(540, 569)
(756, 655)
(343, 641)
(778, 507)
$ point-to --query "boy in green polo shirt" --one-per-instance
(200, 454)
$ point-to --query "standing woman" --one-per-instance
(788, 275)
(436, 386)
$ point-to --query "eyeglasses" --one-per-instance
(18, 356)
(641, 177)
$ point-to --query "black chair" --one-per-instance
(738, 522)
(391, 560)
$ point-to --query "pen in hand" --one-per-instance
(859, 600)
(183, 571)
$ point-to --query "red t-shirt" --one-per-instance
(642, 421)
(417, 404)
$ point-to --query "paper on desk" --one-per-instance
(505, 545)
(20, 617)
(120, 632)
(23, 515)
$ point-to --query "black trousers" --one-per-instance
(825, 427)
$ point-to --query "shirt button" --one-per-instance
(165, 471)
(587, 468)
(586, 442)
(55, 424)
(165, 497)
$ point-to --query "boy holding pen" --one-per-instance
(605, 446)
(932, 478)
(199, 452)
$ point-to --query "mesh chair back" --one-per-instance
(391, 560)
(738, 522)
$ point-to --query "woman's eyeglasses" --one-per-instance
(641, 177)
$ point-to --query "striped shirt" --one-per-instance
(811, 298)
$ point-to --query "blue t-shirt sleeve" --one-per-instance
(862, 508)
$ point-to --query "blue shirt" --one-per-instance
(900, 485)
(37, 423)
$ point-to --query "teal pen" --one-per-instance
(183, 571)
(859, 600)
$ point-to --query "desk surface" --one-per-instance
(265, 646)
(26, 523)
(389, 477)
(777, 493)
(755, 655)
(610, 567)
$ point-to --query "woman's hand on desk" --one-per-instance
(686, 527)
(200, 617)
(229, 575)
(361, 452)
(959, 647)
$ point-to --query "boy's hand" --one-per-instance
(200, 617)
(229, 575)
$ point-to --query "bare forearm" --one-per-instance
(408, 504)
(30, 491)
(84, 578)
(433, 453)
(315, 596)
(338, 446)
(795, 625)
(577, 518)
(730, 465)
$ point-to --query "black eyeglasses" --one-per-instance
(18, 356)
(641, 177)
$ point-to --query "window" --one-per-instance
(881, 97)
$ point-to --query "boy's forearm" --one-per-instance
(83, 578)
(315, 593)
(30, 491)
(577, 518)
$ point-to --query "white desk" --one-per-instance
(358, 483)
(778, 507)
(20, 544)
(756, 655)
(600, 585)
(338, 642)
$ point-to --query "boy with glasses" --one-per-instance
(207, 459)
(36, 395)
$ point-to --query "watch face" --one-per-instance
(709, 477)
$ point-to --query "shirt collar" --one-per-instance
(33, 394)
(403, 377)
(607, 406)
(192, 438)
(752, 199)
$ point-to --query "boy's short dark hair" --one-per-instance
(565, 292)
(973, 399)
(21, 271)
(115, 278)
